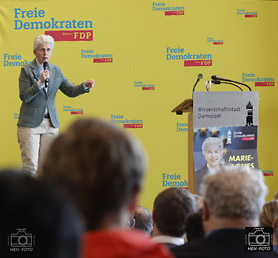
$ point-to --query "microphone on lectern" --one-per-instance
(200, 76)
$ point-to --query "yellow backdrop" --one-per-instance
(145, 57)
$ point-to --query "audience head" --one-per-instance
(194, 226)
(143, 220)
(170, 211)
(269, 218)
(270, 212)
(198, 200)
(276, 196)
(234, 193)
(275, 230)
(35, 219)
(100, 166)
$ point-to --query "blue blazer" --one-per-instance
(35, 100)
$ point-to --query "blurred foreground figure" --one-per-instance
(35, 221)
(101, 168)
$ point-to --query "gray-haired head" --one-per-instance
(235, 192)
(143, 220)
(212, 141)
(43, 39)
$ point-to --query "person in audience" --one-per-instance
(270, 210)
(275, 233)
(170, 210)
(232, 200)
(101, 167)
(276, 196)
(143, 220)
(194, 226)
(269, 218)
(199, 201)
(35, 220)
(213, 149)
(131, 221)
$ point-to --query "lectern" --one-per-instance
(232, 117)
(187, 107)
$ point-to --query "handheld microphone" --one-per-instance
(45, 67)
(200, 76)
(217, 78)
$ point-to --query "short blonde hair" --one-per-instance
(270, 212)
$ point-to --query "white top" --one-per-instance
(168, 239)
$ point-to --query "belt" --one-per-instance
(46, 115)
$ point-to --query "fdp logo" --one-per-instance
(196, 59)
(268, 172)
(73, 111)
(259, 81)
(144, 86)
(75, 35)
(247, 14)
(127, 123)
(215, 41)
(168, 10)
